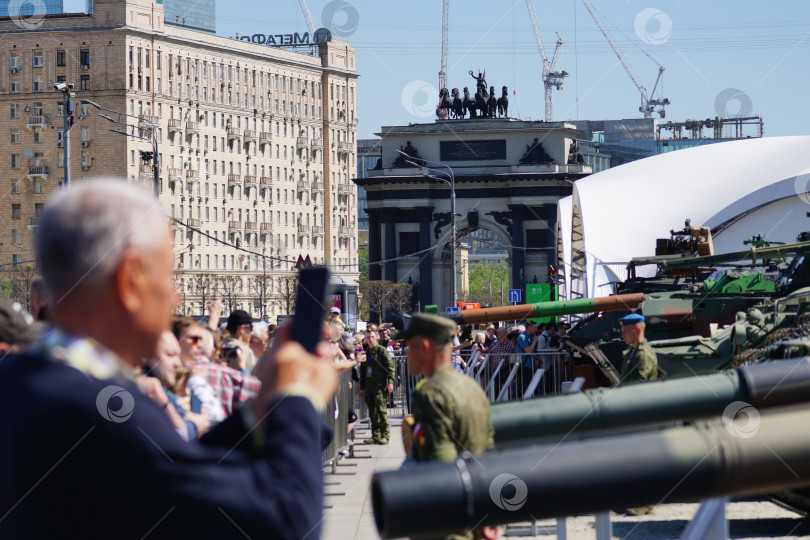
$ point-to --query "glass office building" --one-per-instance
(28, 8)
(194, 14)
(369, 154)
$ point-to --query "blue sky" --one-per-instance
(758, 52)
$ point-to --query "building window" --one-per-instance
(37, 86)
(38, 59)
(85, 82)
(16, 260)
(16, 212)
(15, 161)
(157, 60)
(14, 111)
(15, 187)
(84, 57)
(37, 187)
(15, 136)
(14, 61)
(14, 86)
(16, 237)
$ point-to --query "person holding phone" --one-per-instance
(99, 443)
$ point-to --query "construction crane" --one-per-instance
(551, 78)
(443, 113)
(310, 24)
(648, 104)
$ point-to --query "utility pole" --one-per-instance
(67, 117)
(264, 284)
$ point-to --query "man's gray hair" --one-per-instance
(84, 232)
(259, 329)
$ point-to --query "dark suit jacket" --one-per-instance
(68, 472)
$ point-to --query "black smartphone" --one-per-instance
(310, 307)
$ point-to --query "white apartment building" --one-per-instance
(256, 144)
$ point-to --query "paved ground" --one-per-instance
(349, 516)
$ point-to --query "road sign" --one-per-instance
(514, 295)
(453, 310)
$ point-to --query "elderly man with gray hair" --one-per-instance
(84, 434)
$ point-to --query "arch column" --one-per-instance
(518, 245)
(374, 244)
(426, 258)
(390, 246)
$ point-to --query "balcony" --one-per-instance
(344, 148)
(192, 176)
(251, 181)
(37, 171)
(316, 144)
(175, 175)
(303, 230)
(317, 230)
(193, 222)
(317, 187)
(266, 182)
(301, 142)
(33, 223)
(234, 227)
(251, 136)
(266, 228)
(234, 180)
(345, 189)
(40, 121)
(346, 232)
(251, 227)
(265, 137)
(234, 134)
(175, 126)
(192, 127)
(303, 185)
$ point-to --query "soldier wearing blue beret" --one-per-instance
(639, 362)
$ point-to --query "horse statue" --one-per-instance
(457, 110)
(469, 103)
(444, 101)
(481, 104)
(503, 103)
(492, 103)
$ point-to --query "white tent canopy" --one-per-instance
(751, 186)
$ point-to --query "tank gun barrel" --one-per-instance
(761, 385)
(680, 464)
(618, 302)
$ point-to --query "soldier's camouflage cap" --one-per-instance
(438, 329)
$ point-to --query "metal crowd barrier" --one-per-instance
(502, 377)
(520, 375)
(336, 416)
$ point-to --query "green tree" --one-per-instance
(486, 281)
(362, 262)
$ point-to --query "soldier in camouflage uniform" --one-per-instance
(639, 362)
(450, 411)
(376, 379)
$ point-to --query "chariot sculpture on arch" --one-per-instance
(483, 104)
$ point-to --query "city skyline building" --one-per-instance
(29, 9)
(256, 145)
(194, 14)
